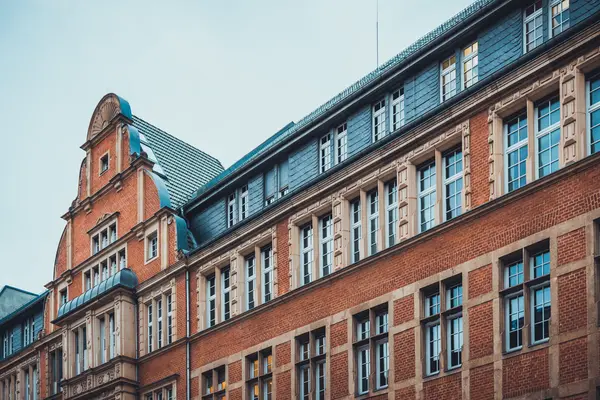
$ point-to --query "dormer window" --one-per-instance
(104, 163)
(151, 246)
(237, 206)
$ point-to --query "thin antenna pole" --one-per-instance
(377, 33)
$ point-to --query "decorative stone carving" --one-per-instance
(108, 108)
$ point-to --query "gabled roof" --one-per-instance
(12, 298)
(402, 57)
(125, 278)
(186, 168)
(34, 299)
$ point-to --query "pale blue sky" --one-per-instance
(221, 75)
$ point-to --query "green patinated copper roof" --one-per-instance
(125, 278)
(399, 59)
(185, 167)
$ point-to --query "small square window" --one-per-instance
(103, 164)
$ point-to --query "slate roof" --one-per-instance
(35, 299)
(12, 298)
(421, 43)
(124, 278)
(186, 167)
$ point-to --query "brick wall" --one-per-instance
(481, 330)
(339, 334)
(283, 251)
(480, 187)
(481, 383)
(339, 375)
(404, 355)
(573, 361)
(572, 301)
(446, 388)
(571, 246)
(525, 373)
(404, 310)
(480, 281)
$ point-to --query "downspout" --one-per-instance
(188, 392)
(137, 342)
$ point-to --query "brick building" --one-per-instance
(432, 232)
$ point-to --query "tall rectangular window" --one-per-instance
(267, 273)
(448, 76)
(398, 109)
(532, 26)
(370, 344)
(559, 16)
(373, 217)
(341, 143)
(169, 318)
(547, 135)
(250, 282)
(325, 152)
(259, 380)
(527, 286)
(326, 239)
(307, 254)
(27, 384)
(152, 247)
(391, 214)
(159, 323)
(231, 210)
(211, 301)
(311, 365)
(379, 123)
(225, 294)
(516, 152)
(453, 183)
(150, 331)
(102, 326)
(243, 203)
(276, 182)
(55, 365)
(214, 384)
(355, 230)
(113, 333)
(427, 182)
(593, 119)
(540, 311)
(432, 348)
(470, 65)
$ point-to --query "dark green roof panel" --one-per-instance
(125, 278)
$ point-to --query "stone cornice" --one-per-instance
(592, 161)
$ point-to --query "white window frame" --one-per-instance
(447, 72)
(426, 192)
(211, 280)
(590, 109)
(250, 261)
(102, 327)
(546, 132)
(320, 374)
(243, 208)
(533, 265)
(159, 323)
(113, 333)
(372, 218)
(326, 245)
(266, 254)
(449, 180)
(169, 318)
(386, 361)
(304, 379)
(306, 251)
(391, 207)
(152, 246)
(451, 296)
(429, 304)
(515, 147)
(379, 120)
(363, 358)
(150, 319)
(397, 110)
(325, 156)
(355, 226)
(450, 338)
(563, 26)
(527, 19)
(225, 290)
(507, 315)
(474, 57)
(532, 302)
(231, 208)
(428, 354)
(341, 143)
